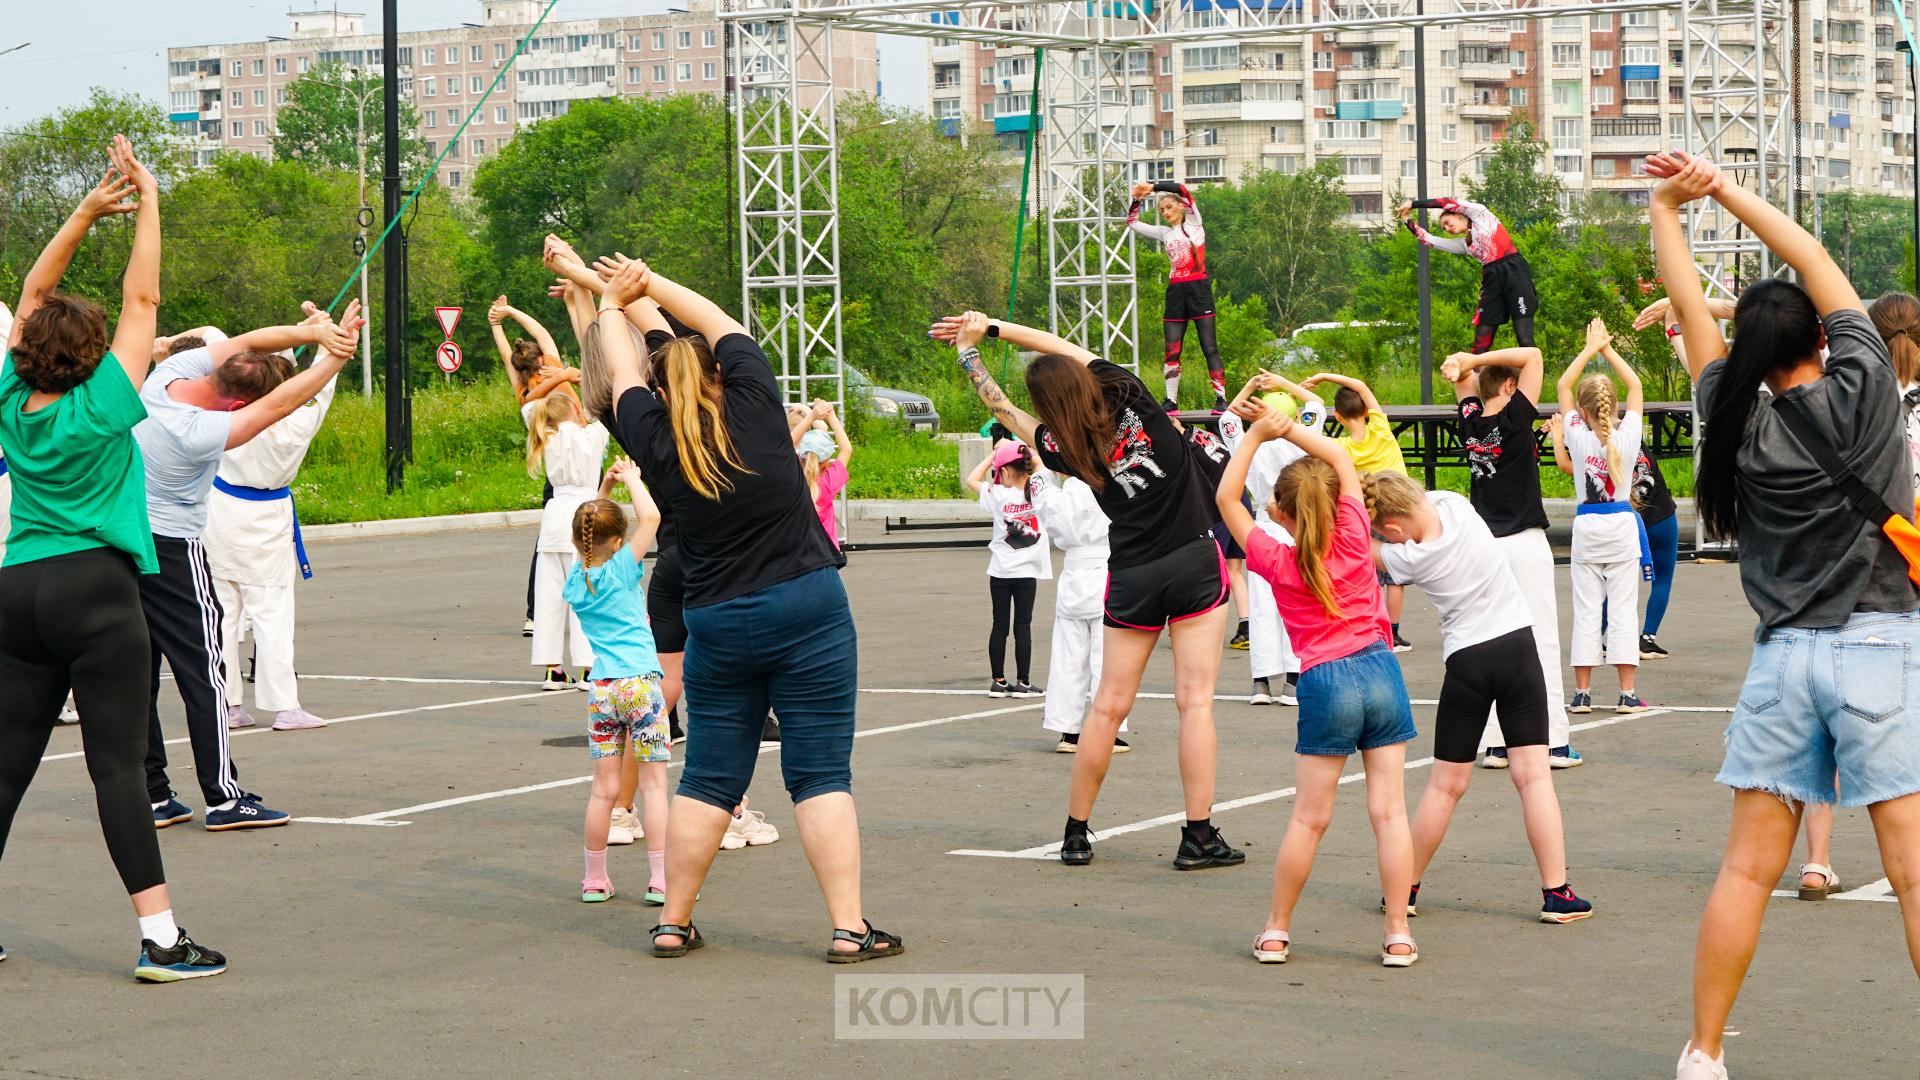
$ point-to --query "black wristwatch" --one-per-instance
(993, 329)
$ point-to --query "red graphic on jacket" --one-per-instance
(1185, 243)
(1487, 238)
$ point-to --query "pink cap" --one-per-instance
(1007, 454)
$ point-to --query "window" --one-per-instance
(259, 67)
(1449, 132)
(476, 53)
(453, 178)
(1323, 98)
(1323, 61)
(431, 86)
(1409, 169)
(1270, 91)
(633, 74)
(260, 129)
(946, 108)
(1566, 134)
(453, 86)
(1567, 164)
(430, 119)
(709, 71)
(1449, 94)
(1566, 97)
(279, 95)
(1206, 168)
(706, 39)
(1166, 102)
(1603, 168)
(1211, 95)
(1349, 130)
(1639, 54)
(1212, 58)
(1637, 18)
(1142, 97)
(1366, 202)
(1517, 97)
(500, 50)
(1407, 134)
(260, 98)
(499, 114)
(1204, 136)
(1360, 166)
(1166, 63)
(686, 39)
(1285, 164)
(986, 110)
(1291, 131)
(1677, 127)
(236, 99)
(239, 130)
(659, 40)
(1603, 59)
(476, 84)
(279, 65)
(1641, 90)
(453, 117)
(233, 70)
(479, 147)
(684, 73)
(1566, 56)
(659, 73)
(1483, 132)
(1602, 94)
(1602, 24)
(1567, 22)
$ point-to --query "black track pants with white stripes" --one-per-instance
(183, 622)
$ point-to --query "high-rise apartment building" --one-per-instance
(226, 97)
(1601, 90)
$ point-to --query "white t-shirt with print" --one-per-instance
(1603, 538)
(1019, 546)
(1465, 573)
(1276, 454)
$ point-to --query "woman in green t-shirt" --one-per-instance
(70, 611)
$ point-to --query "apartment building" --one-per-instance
(1602, 90)
(224, 98)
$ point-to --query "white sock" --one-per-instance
(159, 929)
(228, 805)
(1173, 388)
(160, 806)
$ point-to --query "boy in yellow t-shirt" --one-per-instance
(1374, 448)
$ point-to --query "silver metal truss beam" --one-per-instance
(1089, 164)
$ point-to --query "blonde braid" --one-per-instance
(1597, 400)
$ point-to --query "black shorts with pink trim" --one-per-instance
(1187, 300)
(1187, 581)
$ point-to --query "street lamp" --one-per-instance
(364, 218)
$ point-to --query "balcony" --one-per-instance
(1368, 110)
(1479, 72)
(1489, 109)
(1272, 111)
(947, 84)
(1221, 110)
(1018, 122)
(1378, 69)
(1485, 33)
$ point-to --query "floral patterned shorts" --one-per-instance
(629, 711)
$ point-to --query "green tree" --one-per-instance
(1869, 235)
(1516, 183)
(320, 125)
(1283, 239)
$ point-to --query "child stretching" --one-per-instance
(1270, 653)
(1610, 551)
(626, 713)
(1017, 561)
(1371, 441)
(1070, 515)
(570, 452)
(1352, 697)
(1436, 541)
(824, 455)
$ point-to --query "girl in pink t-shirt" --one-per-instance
(824, 452)
(1352, 697)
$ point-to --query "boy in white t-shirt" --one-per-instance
(1017, 560)
(1436, 541)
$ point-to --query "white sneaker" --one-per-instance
(751, 827)
(238, 717)
(1695, 1065)
(296, 720)
(69, 714)
(1289, 694)
(625, 823)
(1260, 695)
(526, 628)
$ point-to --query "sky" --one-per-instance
(121, 44)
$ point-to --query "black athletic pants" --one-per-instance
(74, 621)
(533, 565)
(183, 623)
(1012, 597)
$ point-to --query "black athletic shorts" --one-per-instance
(1503, 672)
(1506, 291)
(1187, 581)
(665, 589)
(1224, 536)
(1189, 300)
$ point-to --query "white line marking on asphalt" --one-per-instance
(1880, 892)
(264, 728)
(412, 679)
(386, 817)
(1050, 851)
(1242, 698)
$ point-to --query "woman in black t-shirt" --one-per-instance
(767, 618)
(1099, 423)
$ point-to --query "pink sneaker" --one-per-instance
(296, 720)
(238, 717)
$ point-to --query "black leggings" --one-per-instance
(75, 621)
(533, 565)
(1176, 331)
(1522, 334)
(1012, 596)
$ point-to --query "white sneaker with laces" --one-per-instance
(296, 720)
(619, 833)
(238, 717)
(1289, 694)
(1695, 1065)
(751, 827)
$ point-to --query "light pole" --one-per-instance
(1905, 45)
(15, 48)
(364, 218)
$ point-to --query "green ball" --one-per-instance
(1280, 401)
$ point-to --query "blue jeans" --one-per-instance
(1663, 537)
(1357, 702)
(790, 648)
(1845, 699)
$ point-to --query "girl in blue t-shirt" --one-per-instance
(625, 708)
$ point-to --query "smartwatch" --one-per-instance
(993, 329)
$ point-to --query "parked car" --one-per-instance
(914, 410)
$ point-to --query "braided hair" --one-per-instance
(597, 523)
(1597, 399)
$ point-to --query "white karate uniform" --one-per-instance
(573, 459)
(6, 511)
(250, 553)
(1072, 517)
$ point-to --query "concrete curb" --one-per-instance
(347, 530)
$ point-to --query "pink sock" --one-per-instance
(656, 869)
(597, 867)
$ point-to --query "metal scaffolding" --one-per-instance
(783, 100)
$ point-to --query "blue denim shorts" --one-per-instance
(1357, 702)
(1817, 702)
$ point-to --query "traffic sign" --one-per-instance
(447, 356)
(449, 317)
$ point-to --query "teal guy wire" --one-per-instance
(452, 142)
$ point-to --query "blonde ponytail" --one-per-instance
(1308, 490)
(693, 392)
(554, 409)
(1597, 400)
(1390, 495)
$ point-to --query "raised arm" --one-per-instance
(840, 437)
(140, 291)
(702, 315)
(646, 513)
(496, 312)
(977, 479)
(1233, 481)
(1018, 336)
(1459, 369)
(1661, 311)
(337, 344)
(1597, 339)
(112, 195)
(534, 330)
(275, 338)
(1636, 394)
(1681, 183)
(1139, 203)
(966, 332)
(1326, 450)
(1556, 426)
(617, 350)
(1366, 392)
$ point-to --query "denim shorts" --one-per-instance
(1817, 702)
(1357, 702)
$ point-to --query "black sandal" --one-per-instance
(867, 943)
(689, 936)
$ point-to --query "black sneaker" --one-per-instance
(1239, 641)
(1069, 743)
(185, 960)
(1027, 689)
(675, 732)
(1170, 405)
(1650, 649)
(1401, 644)
(556, 679)
(1219, 403)
(1413, 902)
(1562, 906)
(770, 731)
(173, 813)
(1120, 746)
(999, 688)
(1200, 854)
(1076, 847)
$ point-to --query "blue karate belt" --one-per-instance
(253, 494)
(1639, 523)
(3, 466)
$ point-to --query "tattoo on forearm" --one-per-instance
(990, 392)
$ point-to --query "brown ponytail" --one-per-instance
(1897, 317)
(1308, 490)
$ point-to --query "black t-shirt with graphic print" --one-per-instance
(1503, 464)
(1650, 494)
(1209, 456)
(1154, 498)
